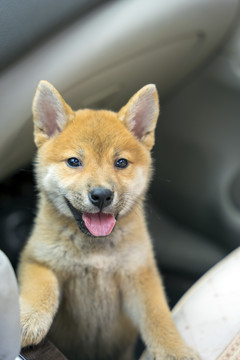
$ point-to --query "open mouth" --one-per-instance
(93, 224)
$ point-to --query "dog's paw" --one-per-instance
(186, 353)
(35, 325)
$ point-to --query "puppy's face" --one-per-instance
(95, 165)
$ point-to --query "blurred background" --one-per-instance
(97, 54)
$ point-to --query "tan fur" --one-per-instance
(93, 295)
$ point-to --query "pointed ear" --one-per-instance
(141, 113)
(50, 112)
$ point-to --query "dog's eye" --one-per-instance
(73, 162)
(121, 163)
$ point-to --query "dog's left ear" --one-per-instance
(140, 114)
(51, 113)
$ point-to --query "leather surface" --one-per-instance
(44, 351)
(25, 23)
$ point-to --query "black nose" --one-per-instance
(101, 197)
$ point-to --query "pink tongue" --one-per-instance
(99, 224)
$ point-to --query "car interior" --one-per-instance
(99, 53)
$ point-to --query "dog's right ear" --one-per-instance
(140, 114)
(50, 112)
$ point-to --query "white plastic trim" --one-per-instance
(113, 34)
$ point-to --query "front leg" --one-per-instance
(39, 300)
(146, 305)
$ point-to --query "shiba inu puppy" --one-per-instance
(88, 278)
